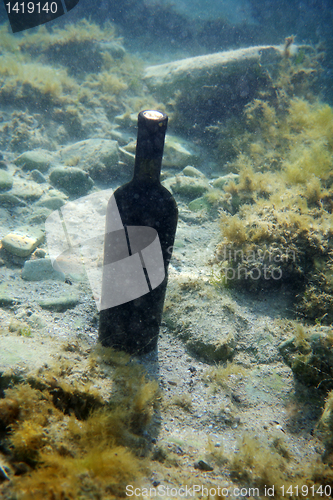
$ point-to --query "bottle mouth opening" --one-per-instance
(153, 114)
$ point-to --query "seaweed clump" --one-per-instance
(270, 470)
(276, 218)
(309, 354)
(80, 75)
(58, 447)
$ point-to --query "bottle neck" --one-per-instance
(152, 127)
(147, 170)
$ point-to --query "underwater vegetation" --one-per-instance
(276, 218)
(309, 354)
(220, 375)
(65, 79)
(62, 439)
(325, 428)
(61, 436)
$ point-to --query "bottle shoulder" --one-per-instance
(151, 205)
(133, 192)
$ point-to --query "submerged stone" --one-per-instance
(40, 270)
(116, 50)
(220, 182)
(218, 347)
(72, 179)
(23, 353)
(205, 88)
(27, 190)
(37, 176)
(23, 242)
(59, 304)
(51, 202)
(198, 204)
(6, 181)
(38, 159)
(193, 172)
(310, 358)
(178, 153)
(10, 200)
(187, 74)
(189, 187)
(98, 157)
(7, 300)
(203, 465)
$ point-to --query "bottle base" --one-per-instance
(132, 327)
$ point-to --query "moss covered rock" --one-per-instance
(324, 427)
(6, 181)
(59, 304)
(198, 204)
(311, 358)
(98, 157)
(71, 179)
(189, 187)
(37, 159)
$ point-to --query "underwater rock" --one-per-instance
(193, 172)
(23, 242)
(6, 300)
(59, 304)
(72, 179)
(310, 357)
(178, 153)
(81, 48)
(324, 428)
(188, 301)
(128, 120)
(189, 187)
(40, 270)
(190, 73)
(51, 202)
(10, 200)
(38, 159)
(212, 346)
(6, 181)
(98, 157)
(52, 199)
(115, 49)
(316, 304)
(21, 353)
(126, 157)
(130, 148)
(220, 182)
(203, 465)
(198, 204)
(27, 190)
(204, 88)
(37, 176)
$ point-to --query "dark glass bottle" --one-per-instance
(138, 247)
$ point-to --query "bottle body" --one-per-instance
(133, 326)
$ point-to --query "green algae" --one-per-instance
(277, 219)
(68, 70)
(70, 442)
